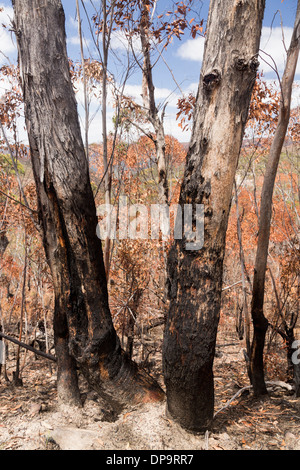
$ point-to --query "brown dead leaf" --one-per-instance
(16, 408)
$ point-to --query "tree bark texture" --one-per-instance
(83, 326)
(195, 277)
(260, 323)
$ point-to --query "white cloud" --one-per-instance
(274, 43)
(134, 91)
(192, 88)
(120, 41)
(161, 94)
(73, 22)
(192, 49)
(296, 94)
(7, 45)
(6, 85)
(172, 128)
(74, 41)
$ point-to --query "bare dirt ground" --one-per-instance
(32, 420)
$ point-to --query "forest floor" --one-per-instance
(32, 420)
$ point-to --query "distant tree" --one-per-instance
(150, 105)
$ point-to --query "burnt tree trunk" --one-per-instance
(195, 277)
(84, 332)
(260, 323)
(3, 243)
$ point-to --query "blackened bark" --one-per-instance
(195, 277)
(293, 366)
(83, 326)
(3, 243)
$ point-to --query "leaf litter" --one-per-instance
(31, 418)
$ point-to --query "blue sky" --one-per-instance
(183, 57)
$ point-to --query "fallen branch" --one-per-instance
(279, 383)
(30, 348)
(232, 285)
(232, 399)
(274, 383)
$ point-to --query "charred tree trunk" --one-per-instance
(195, 277)
(3, 243)
(84, 331)
(260, 323)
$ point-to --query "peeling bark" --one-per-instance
(195, 277)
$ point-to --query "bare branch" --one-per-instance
(29, 348)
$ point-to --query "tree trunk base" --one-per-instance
(192, 411)
(121, 382)
(67, 381)
(257, 377)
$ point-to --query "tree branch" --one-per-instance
(30, 348)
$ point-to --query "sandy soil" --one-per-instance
(31, 418)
